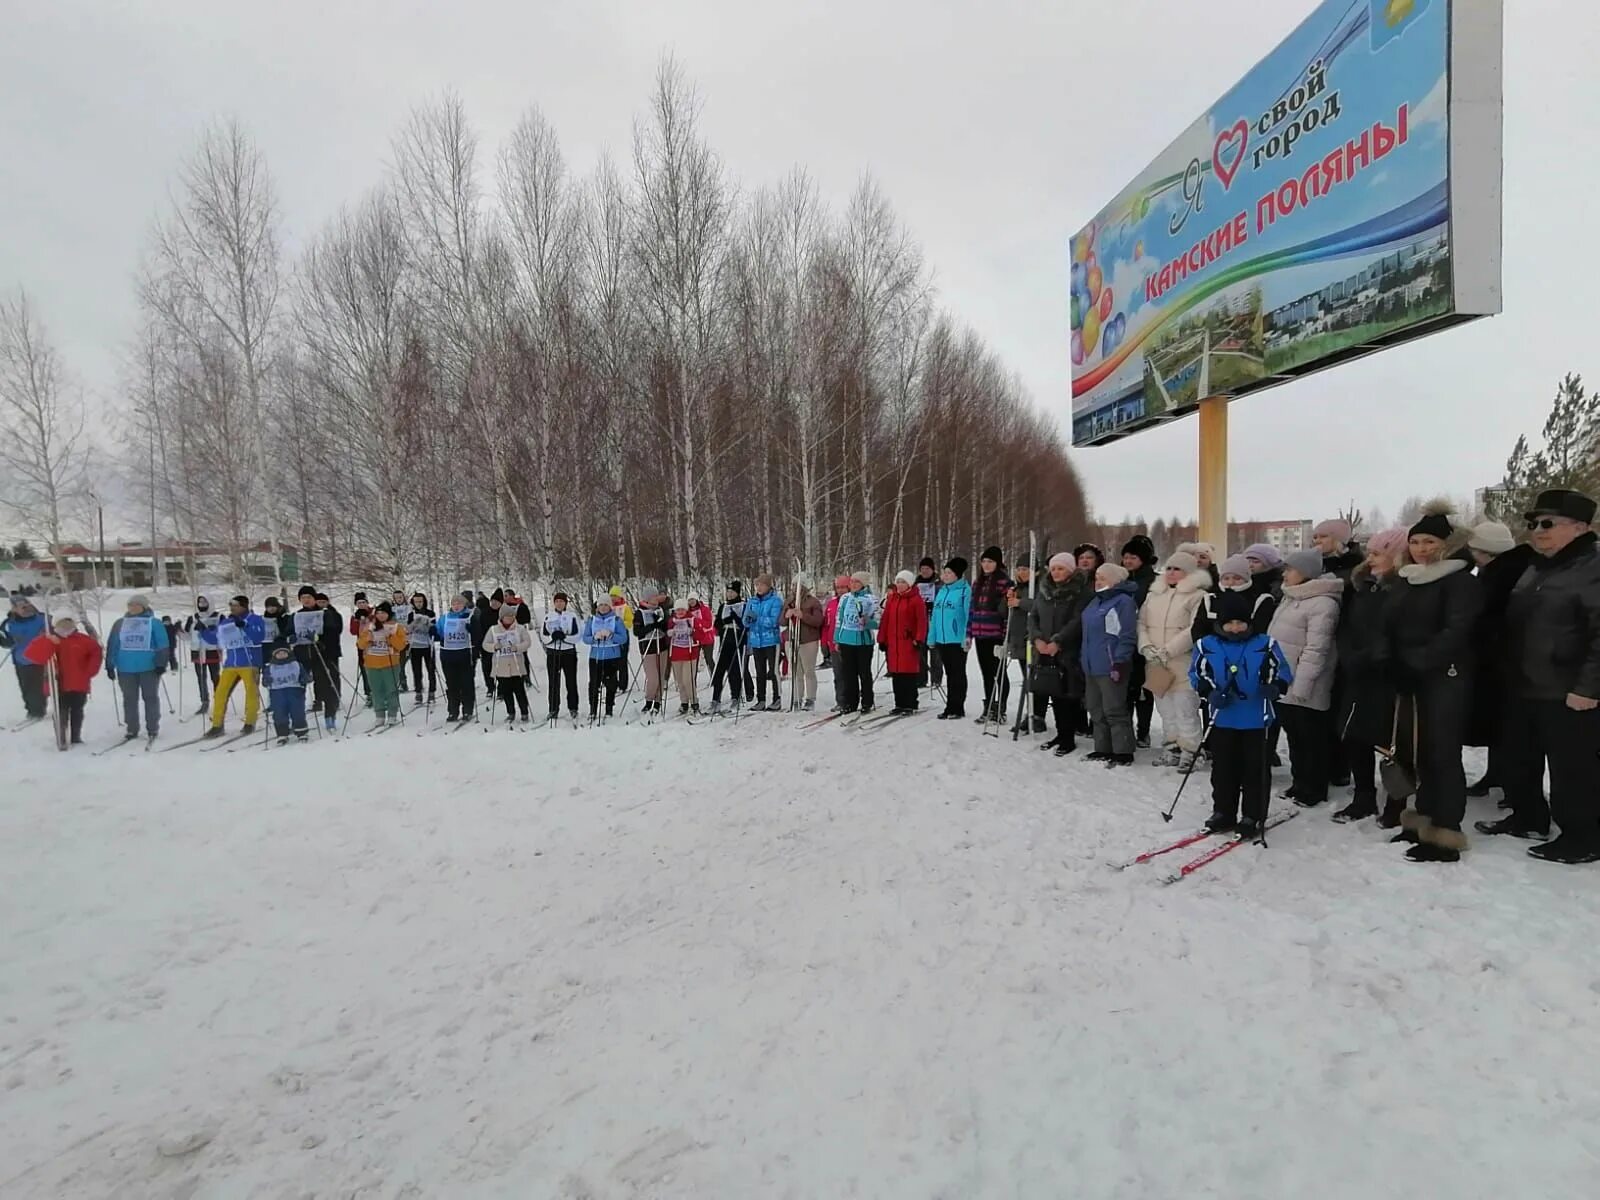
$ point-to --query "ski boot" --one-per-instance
(808, 705)
(1220, 822)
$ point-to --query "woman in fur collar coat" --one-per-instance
(1428, 647)
(1306, 624)
(1166, 641)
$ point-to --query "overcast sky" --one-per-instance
(997, 130)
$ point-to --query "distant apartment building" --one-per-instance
(1285, 536)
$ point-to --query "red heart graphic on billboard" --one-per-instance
(1231, 143)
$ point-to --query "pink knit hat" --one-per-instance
(841, 583)
(1388, 541)
(1333, 528)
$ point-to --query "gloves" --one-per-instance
(239, 622)
(111, 673)
(558, 637)
(161, 669)
(1119, 672)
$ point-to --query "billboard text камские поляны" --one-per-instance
(1327, 206)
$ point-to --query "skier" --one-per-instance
(932, 671)
(986, 626)
(903, 633)
(275, 628)
(400, 610)
(1240, 673)
(458, 644)
(606, 635)
(485, 616)
(524, 618)
(510, 643)
(21, 626)
(201, 626)
(855, 622)
(360, 618)
(315, 630)
(947, 634)
(650, 631)
(419, 645)
(685, 658)
(286, 679)
(77, 657)
(830, 648)
(137, 650)
(705, 629)
(763, 614)
(806, 618)
(1109, 626)
(381, 643)
(559, 636)
(239, 638)
(730, 646)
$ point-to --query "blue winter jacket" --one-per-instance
(613, 647)
(1240, 679)
(453, 631)
(1110, 629)
(952, 606)
(137, 644)
(241, 648)
(16, 632)
(289, 676)
(855, 621)
(761, 619)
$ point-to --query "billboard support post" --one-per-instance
(1214, 473)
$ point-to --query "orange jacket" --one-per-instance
(384, 653)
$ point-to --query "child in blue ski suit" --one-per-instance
(286, 678)
(1239, 672)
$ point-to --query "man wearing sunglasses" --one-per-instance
(1554, 711)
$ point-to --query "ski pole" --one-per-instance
(1184, 782)
(344, 730)
(168, 695)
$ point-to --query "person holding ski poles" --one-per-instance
(239, 637)
(986, 627)
(763, 614)
(137, 649)
(705, 630)
(201, 626)
(457, 650)
(606, 635)
(855, 623)
(806, 618)
(947, 634)
(685, 655)
(419, 646)
(729, 625)
(902, 633)
(830, 648)
(21, 626)
(77, 657)
(650, 631)
(381, 644)
(315, 632)
(510, 642)
(559, 636)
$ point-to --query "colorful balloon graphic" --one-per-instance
(1095, 280)
(1080, 250)
(1105, 304)
(1138, 250)
(1077, 311)
(1091, 332)
(1077, 275)
(1077, 349)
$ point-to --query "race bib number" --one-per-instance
(506, 645)
(456, 636)
(682, 634)
(135, 633)
(283, 675)
(402, 613)
(231, 637)
(307, 626)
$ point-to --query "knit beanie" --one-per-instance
(861, 577)
(1307, 562)
(905, 577)
(1115, 572)
(1183, 561)
(64, 626)
(1064, 559)
(558, 596)
(1435, 521)
(994, 553)
(1142, 546)
(1235, 564)
(1234, 606)
(616, 590)
(307, 590)
(1390, 541)
(1333, 528)
(1492, 538)
(139, 602)
(929, 563)
(957, 565)
(736, 587)
(1265, 554)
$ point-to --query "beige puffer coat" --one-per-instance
(1306, 625)
(1165, 621)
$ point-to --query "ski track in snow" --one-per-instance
(718, 962)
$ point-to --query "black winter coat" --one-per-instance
(1057, 616)
(1342, 565)
(482, 619)
(1495, 581)
(1368, 715)
(1429, 622)
(1553, 622)
(1017, 621)
(1268, 583)
(327, 640)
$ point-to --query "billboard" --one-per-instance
(1342, 198)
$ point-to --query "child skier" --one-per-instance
(380, 644)
(286, 678)
(77, 657)
(685, 657)
(457, 649)
(509, 643)
(559, 636)
(1240, 673)
(606, 635)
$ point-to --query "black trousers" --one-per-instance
(72, 711)
(324, 684)
(932, 670)
(766, 660)
(953, 660)
(486, 664)
(559, 664)
(605, 673)
(1439, 708)
(460, 692)
(514, 694)
(30, 681)
(1239, 772)
(1540, 731)
(989, 665)
(205, 678)
(727, 668)
(905, 690)
(1362, 758)
(1067, 714)
(705, 652)
(855, 684)
(1140, 702)
(1307, 731)
(419, 656)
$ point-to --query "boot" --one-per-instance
(1513, 826)
(1220, 822)
(249, 727)
(1038, 725)
(214, 732)
(1065, 748)
(1051, 744)
(1566, 849)
(1482, 788)
(695, 708)
(1358, 809)
(330, 723)
(1392, 809)
(201, 711)
(808, 706)
(716, 708)
(1095, 756)
(683, 710)
(1119, 760)
(1248, 829)
(1425, 852)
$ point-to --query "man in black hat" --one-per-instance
(1553, 623)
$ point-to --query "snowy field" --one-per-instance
(719, 962)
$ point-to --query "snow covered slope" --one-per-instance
(713, 962)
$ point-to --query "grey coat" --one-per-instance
(1306, 625)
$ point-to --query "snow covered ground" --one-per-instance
(752, 962)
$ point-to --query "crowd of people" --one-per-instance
(1370, 666)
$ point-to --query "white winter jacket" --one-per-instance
(1306, 625)
(1165, 622)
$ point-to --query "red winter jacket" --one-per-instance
(830, 618)
(705, 624)
(77, 658)
(683, 637)
(903, 627)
